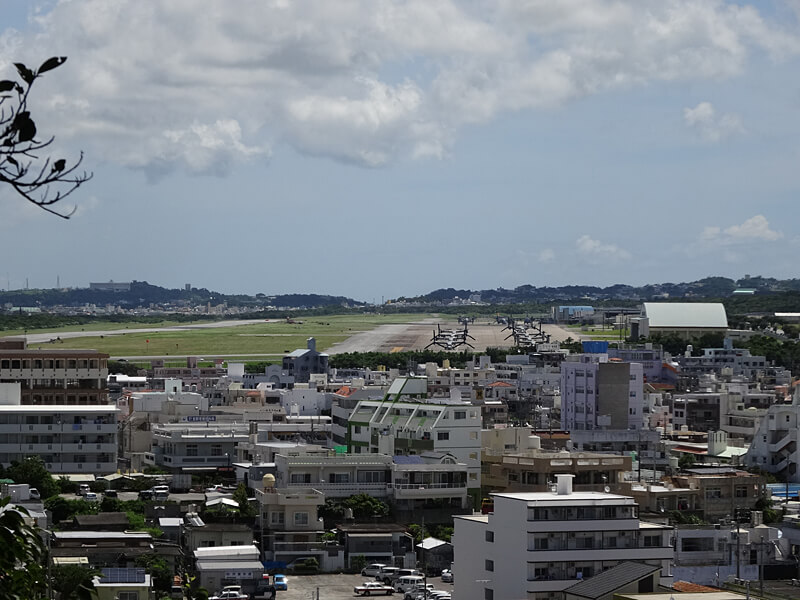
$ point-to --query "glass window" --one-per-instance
(301, 518)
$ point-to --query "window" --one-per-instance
(488, 565)
(654, 541)
(697, 544)
(443, 435)
(191, 449)
(741, 491)
(490, 536)
(300, 518)
(216, 449)
(276, 518)
(128, 595)
(488, 594)
(300, 478)
(339, 478)
(713, 493)
(460, 414)
(473, 435)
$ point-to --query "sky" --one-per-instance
(376, 149)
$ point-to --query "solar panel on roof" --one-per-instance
(117, 575)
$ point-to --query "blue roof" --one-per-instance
(408, 460)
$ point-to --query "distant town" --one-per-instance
(469, 444)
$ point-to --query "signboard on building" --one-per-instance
(201, 418)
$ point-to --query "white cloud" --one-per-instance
(595, 249)
(754, 229)
(195, 85)
(546, 255)
(710, 126)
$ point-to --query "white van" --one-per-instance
(408, 582)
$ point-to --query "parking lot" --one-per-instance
(335, 587)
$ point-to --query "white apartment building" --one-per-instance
(414, 427)
(407, 482)
(774, 446)
(290, 525)
(70, 439)
(195, 446)
(535, 545)
(601, 394)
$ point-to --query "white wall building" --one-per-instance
(70, 439)
(409, 427)
(534, 545)
(598, 394)
(774, 446)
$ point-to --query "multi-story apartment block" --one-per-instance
(601, 394)
(408, 427)
(195, 446)
(535, 545)
(775, 445)
(408, 483)
(289, 524)
(70, 439)
(54, 376)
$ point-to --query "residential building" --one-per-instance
(54, 376)
(301, 363)
(70, 439)
(290, 525)
(775, 446)
(722, 491)
(713, 554)
(412, 485)
(123, 584)
(600, 394)
(393, 426)
(536, 544)
(387, 543)
(102, 548)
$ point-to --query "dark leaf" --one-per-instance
(59, 165)
(7, 85)
(52, 63)
(24, 126)
(24, 72)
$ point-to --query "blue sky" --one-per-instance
(376, 149)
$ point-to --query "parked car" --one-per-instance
(387, 575)
(230, 595)
(418, 591)
(369, 588)
(281, 582)
(90, 497)
(35, 495)
(83, 489)
(264, 591)
(372, 570)
(146, 495)
(447, 576)
(111, 494)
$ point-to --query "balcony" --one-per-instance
(288, 497)
(343, 490)
(428, 490)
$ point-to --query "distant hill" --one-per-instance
(710, 287)
(145, 295)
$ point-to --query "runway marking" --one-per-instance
(396, 349)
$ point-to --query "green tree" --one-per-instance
(158, 569)
(39, 179)
(245, 508)
(74, 582)
(32, 471)
(21, 555)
